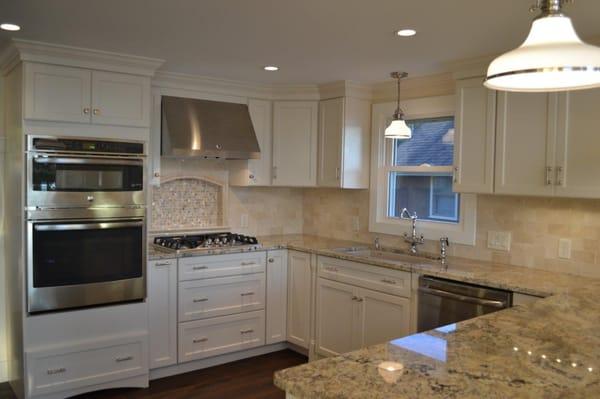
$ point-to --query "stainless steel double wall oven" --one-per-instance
(86, 222)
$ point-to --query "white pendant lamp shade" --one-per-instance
(398, 129)
(552, 58)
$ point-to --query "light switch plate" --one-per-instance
(564, 248)
(499, 240)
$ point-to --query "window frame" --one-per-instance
(462, 232)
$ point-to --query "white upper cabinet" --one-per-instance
(66, 94)
(120, 99)
(57, 93)
(525, 138)
(344, 125)
(577, 166)
(256, 172)
(295, 143)
(474, 137)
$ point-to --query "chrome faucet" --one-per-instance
(444, 244)
(377, 244)
(413, 239)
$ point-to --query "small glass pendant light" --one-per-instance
(552, 58)
(398, 129)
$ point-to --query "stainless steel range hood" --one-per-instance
(209, 129)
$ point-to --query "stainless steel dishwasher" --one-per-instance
(444, 302)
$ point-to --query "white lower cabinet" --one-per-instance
(162, 309)
(276, 296)
(201, 299)
(383, 317)
(299, 298)
(68, 368)
(219, 335)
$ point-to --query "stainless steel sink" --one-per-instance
(388, 256)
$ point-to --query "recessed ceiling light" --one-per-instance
(10, 27)
(271, 68)
(406, 32)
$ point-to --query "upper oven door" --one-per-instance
(81, 181)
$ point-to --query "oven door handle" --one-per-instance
(85, 160)
(86, 226)
(463, 298)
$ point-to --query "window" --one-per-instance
(412, 182)
(416, 174)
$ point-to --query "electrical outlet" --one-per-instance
(499, 240)
(564, 248)
(244, 221)
(355, 223)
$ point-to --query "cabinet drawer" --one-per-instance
(199, 267)
(74, 367)
(211, 337)
(393, 282)
(200, 299)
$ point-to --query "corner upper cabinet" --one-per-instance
(344, 125)
(525, 143)
(474, 138)
(67, 94)
(295, 143)
(256, 172)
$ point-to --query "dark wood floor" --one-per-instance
(245, 379)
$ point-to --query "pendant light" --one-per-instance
(398, 129)
(552, 58)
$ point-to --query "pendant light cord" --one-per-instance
(398, 76)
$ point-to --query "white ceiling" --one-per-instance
(313, 41)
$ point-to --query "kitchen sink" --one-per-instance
(387, 255)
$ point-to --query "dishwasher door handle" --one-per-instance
(464, 298)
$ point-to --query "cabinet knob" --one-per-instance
(156, 174)
(251, 177)
(90, 198)
(271, 260)
(96, 111)
(86, 110)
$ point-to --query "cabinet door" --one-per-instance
(578, 140)
(120, 99)
(295, 143)
(337, 316)
(57, 93)
(474, 137)
(525, 137)
(383, 317)
(162, 305)
(276, 296)
(331, 130)
(299, 294)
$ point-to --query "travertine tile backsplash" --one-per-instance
(536, 225)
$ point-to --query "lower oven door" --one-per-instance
(85, 262)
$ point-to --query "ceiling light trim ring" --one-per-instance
(544, 70)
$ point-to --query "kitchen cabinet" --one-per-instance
(277, 268)
(67, 94)
(162, 312)
(474, 137)
(295, 143)
(525, 143)
(299, 298)
(382, 317)
(344, 136)
(256, 172)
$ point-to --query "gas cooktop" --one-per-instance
(205, 242)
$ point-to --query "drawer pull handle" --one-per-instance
(248, 263)
(196, 300)
(163, 264)
(56, 371)
(199, 267)
(123, 359)
(385, 280)
(356, 298)
(246, 331)
(198, 340)
(247, 293)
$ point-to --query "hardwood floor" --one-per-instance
(245, 379)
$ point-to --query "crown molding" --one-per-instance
(345, 88)
(32, 51)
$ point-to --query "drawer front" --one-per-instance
(199, 267)
(200, 299)
(211, 337)
(393, 282)
(72, 368)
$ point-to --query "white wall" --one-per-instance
(2, 233)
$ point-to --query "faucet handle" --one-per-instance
(444, 241)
